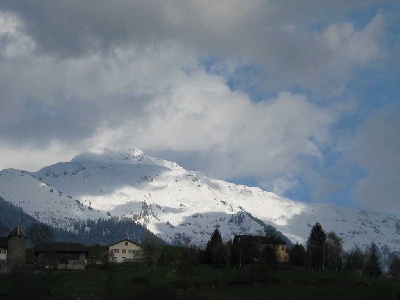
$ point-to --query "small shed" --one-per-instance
(60, 254)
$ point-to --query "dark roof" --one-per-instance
(17, 231)
(3, 242)
(124, 240)
(263, 240)
(59, 247)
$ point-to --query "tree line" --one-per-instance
(323, 251)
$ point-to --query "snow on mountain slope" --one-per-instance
(133, 156)
(41, 201)
(173, 202)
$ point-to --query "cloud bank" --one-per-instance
(237, 89)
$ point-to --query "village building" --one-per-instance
(245, 243)
(61, 255)
(13, 248)
(125, 251)
(3, 250)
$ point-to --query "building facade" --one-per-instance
(125, 251)
(61, 255)
(13, 248)
(3, 250)
(247, 245)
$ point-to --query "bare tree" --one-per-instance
(333, 251)
(355, 260)
(151, 252)
(188, 260)
(372, 266)
(394, 266)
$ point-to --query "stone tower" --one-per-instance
(16, 247)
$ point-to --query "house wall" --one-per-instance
(125, 251)
(56, 258)
(281, 253)
(16, 250)
(82, 258)
(3, 256)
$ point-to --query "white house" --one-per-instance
(124, 251)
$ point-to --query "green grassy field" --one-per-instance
(204, 282)
(174, 280)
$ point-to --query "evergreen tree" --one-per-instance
(216, 252)
(4, 230)
(298, 255)
(316, 247)
(268, 258)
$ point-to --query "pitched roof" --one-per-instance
(124, 240)
(265, 240)
(17, 231)
(3, 242)
(59, 247)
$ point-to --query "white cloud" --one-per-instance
(281, 185)
(348, 44)
(279, 37)
(201, 115)
(376, 149)
(132, 73)
(31, 158)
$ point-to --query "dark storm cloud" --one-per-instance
(266, 33)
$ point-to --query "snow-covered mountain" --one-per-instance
(173, 202)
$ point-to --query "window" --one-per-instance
(116, 250)
(126, 243)
(123, 250)
(283, 247)
(130, 251)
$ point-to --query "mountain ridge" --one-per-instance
(174, 203)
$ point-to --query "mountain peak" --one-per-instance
(131, 156)
(174, 203)
(135, 151)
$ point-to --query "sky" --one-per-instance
(300, 98)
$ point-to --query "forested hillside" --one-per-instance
(87, 232)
